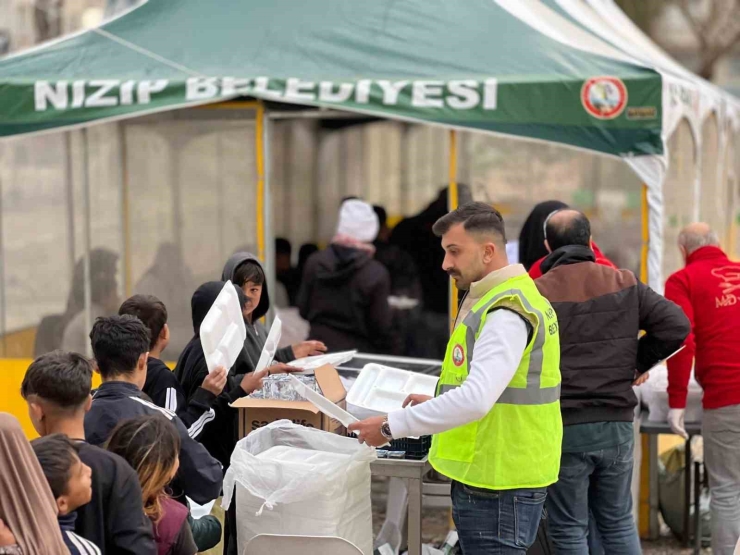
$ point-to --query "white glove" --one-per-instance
(675, 421)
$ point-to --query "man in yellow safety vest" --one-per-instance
(496, 416)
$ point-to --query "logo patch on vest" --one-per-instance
(458, 355)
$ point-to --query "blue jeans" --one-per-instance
(599, 481)
(496, 522)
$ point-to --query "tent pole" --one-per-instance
(648, 461)
(265, 241)
(452, 202)
(126, 212)
(88, 238)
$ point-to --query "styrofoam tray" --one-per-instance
(381, 389)
(222, 332)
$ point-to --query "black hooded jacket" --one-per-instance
(219, 434)
(344, 296)
(532, 236)
(256, 332)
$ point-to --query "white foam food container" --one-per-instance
(271, 345)
(223, 332)
(317, 361)
(381, 389)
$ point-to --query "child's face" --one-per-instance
(254, 294)
(79, 489)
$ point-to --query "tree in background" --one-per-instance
(715, 25)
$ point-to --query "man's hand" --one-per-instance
(6, 536)
(415, 399)
(280, 368)
(308, 348)
(216, 380)
(675, 421)
(253, 381)
(641, 379)
(369, 431)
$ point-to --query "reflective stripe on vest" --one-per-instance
(533, 394)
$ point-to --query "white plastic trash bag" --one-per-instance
(295, 480)
(654, 396)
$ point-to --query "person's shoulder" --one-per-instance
(96, 457)
(147, 407)
(160, 372)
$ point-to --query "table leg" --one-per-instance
(687, 496)
(697, 514)
(414, 516)
(653, 523)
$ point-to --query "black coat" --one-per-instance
(200, 475)
(114, 519)
(344, 296)
(219, 434)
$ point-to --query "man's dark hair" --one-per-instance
(150, 310)
(57, 454)
(62, 378)
(249, 271)
(575, 230)
(382, 215)
(476, 217)
(117, 344)
(283, 246)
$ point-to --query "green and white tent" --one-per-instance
(497, 66)
(470, 65)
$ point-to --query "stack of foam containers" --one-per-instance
(381, 389)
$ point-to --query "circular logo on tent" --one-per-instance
(604, 97)
(458, 355)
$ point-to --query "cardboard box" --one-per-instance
(256, 413)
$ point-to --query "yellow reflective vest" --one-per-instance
(517, 444)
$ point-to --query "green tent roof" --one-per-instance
(463, 64)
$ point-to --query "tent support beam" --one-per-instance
(126, 212)
(265, 240)
(452, 203)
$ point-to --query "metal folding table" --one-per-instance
(654, 429)
(412, 473)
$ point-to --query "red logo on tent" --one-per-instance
(458, 355)
(604, 97)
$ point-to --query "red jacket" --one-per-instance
(535, 271)
(708, 290)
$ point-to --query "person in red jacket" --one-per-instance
(708, 290)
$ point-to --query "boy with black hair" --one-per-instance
(57, 389)
(161, 385)
(71, 485)
(120, 345)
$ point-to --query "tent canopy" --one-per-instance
(469, 65)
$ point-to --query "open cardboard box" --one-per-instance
(256, 413)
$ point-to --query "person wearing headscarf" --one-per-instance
(344, 294)
(28, 511)
(246, 272)
(532, 249)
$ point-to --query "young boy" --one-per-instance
(161, 384)
(70, 482)
(57, 389)
(120, 346)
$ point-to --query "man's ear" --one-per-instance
(62, 505)
(96, 369)
(547, 246)
(37, 415)
(591, 242)
(88, 403)
(141, 364)
(164, 335)
(489, 252)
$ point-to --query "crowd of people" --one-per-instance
(534, 406)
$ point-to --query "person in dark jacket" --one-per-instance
(162, 386)
(218, 431)
(244, 270)
(70, 481)
(120, 345)
(532, 236)
(150, 444)
(57, 389)
(600, 313)
(345, 291)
